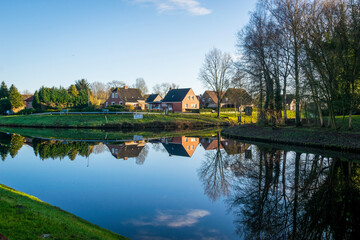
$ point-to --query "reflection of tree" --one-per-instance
(283, 195)
(16, 143)
(158, 147)
(142, 156)
(58, 149)
(215, 173)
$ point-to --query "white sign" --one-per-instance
(138, 116)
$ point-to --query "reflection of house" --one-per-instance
(181, 146)
(153, 101)
(179, 100)
(126, 150)
(210, 143)
(126, 96)
(233, 147)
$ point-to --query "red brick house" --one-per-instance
(179, 100)
(28, 102)
(126, 96)
(209, 100)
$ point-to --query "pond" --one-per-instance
(190, 187)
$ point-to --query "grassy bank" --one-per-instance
(26, 217)
(302, 136)
(101, 134)
(172, 121)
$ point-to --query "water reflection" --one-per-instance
(270, 193)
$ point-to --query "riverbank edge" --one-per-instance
(321, 139)
(29, 210)
(169, 124)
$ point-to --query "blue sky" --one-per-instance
(53, 43)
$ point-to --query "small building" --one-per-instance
(236, 97)
(126, 150)
(181, 146)
(28, 102)
(179, 100)
(153, 101)
(209, 99)
(127, 97)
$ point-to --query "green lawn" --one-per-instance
(97, 120)
(26, 217)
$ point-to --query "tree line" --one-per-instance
(308, 47)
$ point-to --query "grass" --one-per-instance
(98, 121)
(25, 217)
(311, 136)
(100, 134)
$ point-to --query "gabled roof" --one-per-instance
(289, 98)
(176, 149)
(176, 95)
(152, 98)
(129, 94)
(212, 95)
(30, 99)
(26, 96)
(238, 95)
(126, 151)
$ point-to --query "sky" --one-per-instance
(54, 43)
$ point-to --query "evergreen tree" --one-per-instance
(4, 105)
(4, 92)
(15, 97)
(73, 91)
(36, 101)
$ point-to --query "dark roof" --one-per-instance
(25, 96)
(176, 149)
(126, 151)
(238, 95)
(151, 98)
(289, 98)
(212, 95)
(176, 95)
(129, 94)
(30, 99)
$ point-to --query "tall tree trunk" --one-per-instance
(284, 100)
(297, 84)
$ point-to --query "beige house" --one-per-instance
(127, 97)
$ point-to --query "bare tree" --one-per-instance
(100, 91)
(115, 83)
(163, 88)
(217, 73)
(141, 85)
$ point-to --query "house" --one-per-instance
(236, 98)
(127, 97)
(127, 150)
(179, 100)
(210, 143)
(181, 146)
(153, 101)
(209, 99)
(28, 102)
(290, 102)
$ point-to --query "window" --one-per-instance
(112, 95)
(112, 103)
(188, 147)
(226, 99)
(186, 139)
(116, 95)
(192, 97)
(113, 150)
(193, 105)
(120, 103)
(186, 105)
(188, 97)
(192, 147)
(106, 104)
(193, 139)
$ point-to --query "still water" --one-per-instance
(188, 187)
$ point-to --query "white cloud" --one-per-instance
(191, 6)
(173, 219)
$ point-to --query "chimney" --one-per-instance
(170, 88)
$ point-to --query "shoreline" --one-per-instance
(170, 122)
(302, 137)
(23, 216)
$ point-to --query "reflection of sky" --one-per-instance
(161, 199)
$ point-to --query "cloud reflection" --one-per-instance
(171, 218)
